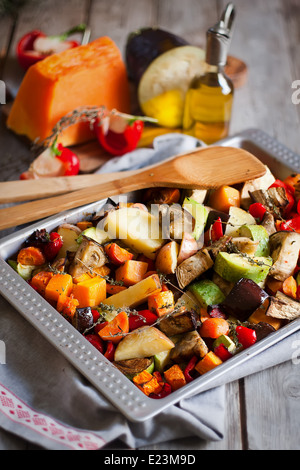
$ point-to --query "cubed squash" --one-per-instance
(88, 75)
(225, 197)
(175, 377)
(147, 383)
(40, 281)
(58, 284)
(209, 362)
(131, 272)
(91, 292)
(162, 303)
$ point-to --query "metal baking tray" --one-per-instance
(122, 393)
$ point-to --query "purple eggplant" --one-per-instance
(244, 298)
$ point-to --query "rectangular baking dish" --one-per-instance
(122, 393)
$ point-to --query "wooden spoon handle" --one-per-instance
(29, 190)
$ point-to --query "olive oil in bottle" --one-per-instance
(208, 103)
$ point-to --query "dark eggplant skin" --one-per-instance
(213, 215)
(145, 45)
(244, 298)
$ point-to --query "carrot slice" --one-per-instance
(116, 328)
(289, 287)
(214, 327)
(31, 256)
(209, 362)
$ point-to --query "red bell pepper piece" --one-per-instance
(216, 231)
(96, 341)
(142, 318)
(52, 247)
(69, 159)
(28, 55)
(246, 336)
(291, 225)
(189, 368)
(257, 210)
(116, 254)
(289, 195)
(222, 352)
(110, 351)
(167, 389)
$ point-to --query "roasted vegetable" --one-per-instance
(191, 344)
(244, 298)
(89, 255)
(284, 248)
(179, 323)
(193, 267)
(133, 367)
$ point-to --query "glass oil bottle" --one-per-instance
(209, 99)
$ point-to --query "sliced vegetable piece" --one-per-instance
(175, 377)
(147, 383)
(40, 281)
(166, 260)
(200, 214)
(225, 197)
(131, 272)
(137, 294)
(206, 293)
(115, 330)
(162, 303)
(31, 256)
(143, 342)
(58, 284)
(214, 327)
(116, 254)
(233, 267)
(193, 267)
(91, 292)
(209, 362)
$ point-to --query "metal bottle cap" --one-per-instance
(219, 36)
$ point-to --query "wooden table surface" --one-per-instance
(263, 410)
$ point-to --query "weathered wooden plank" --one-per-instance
(273, 408)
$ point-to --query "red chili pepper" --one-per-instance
(257, 210)
(28, 55)
(96, 341)
(110, 351)
(216, 230)
(289, 195)
(142, 318)
(69, 159)
(298, 207)
(246, 336)
(52, 248)
(96, 315)
(222, 352)
(189, 368)
(167, 389)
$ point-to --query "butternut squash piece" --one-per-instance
(67, 305)
(91, 292)
(58, 284)
(131, 272)
(147, 383)
(88, 75)
(209, 362)
(175, 377)
(225, 197)
(162, 303)
(40, 281)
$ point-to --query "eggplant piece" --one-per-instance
(88, 256)
(224, 285)
(213, 215)
(146, 44)
(273, 199)
(283, 307)
(179, 323)
(268, 223)
(83, 319)
(244, 298)
(262, 329)
(219, 245)
(193, 267)
(132, 367)
(191, 344)
(284, 249)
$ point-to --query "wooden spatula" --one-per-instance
(208, 167)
